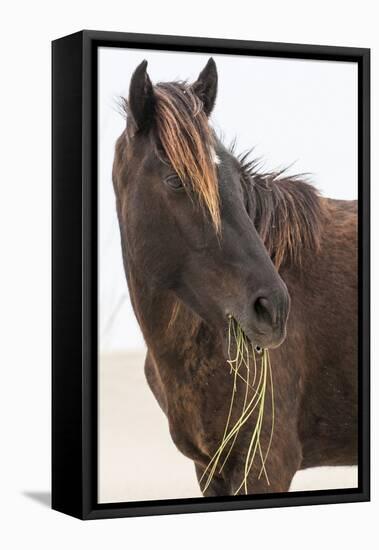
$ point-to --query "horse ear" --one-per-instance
(141, 98)
(206, 86)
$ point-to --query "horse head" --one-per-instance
(186, 213)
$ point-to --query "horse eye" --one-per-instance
(174, 182)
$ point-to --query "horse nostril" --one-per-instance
(265, 311)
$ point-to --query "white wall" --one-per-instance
(27, 28)
(294, 112)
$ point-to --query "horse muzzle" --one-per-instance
(265, 318)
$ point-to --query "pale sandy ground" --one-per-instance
(137, 458)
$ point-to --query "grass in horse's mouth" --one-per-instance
(257, 385)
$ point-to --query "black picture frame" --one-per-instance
(74, 272)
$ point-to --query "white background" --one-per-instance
(27, 30)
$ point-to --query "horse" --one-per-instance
(207, 235)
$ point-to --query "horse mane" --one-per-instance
(288, 212)
(187, 142)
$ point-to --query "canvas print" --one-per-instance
(227, 266)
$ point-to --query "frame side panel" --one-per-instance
(67, 275)
(364, 250)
